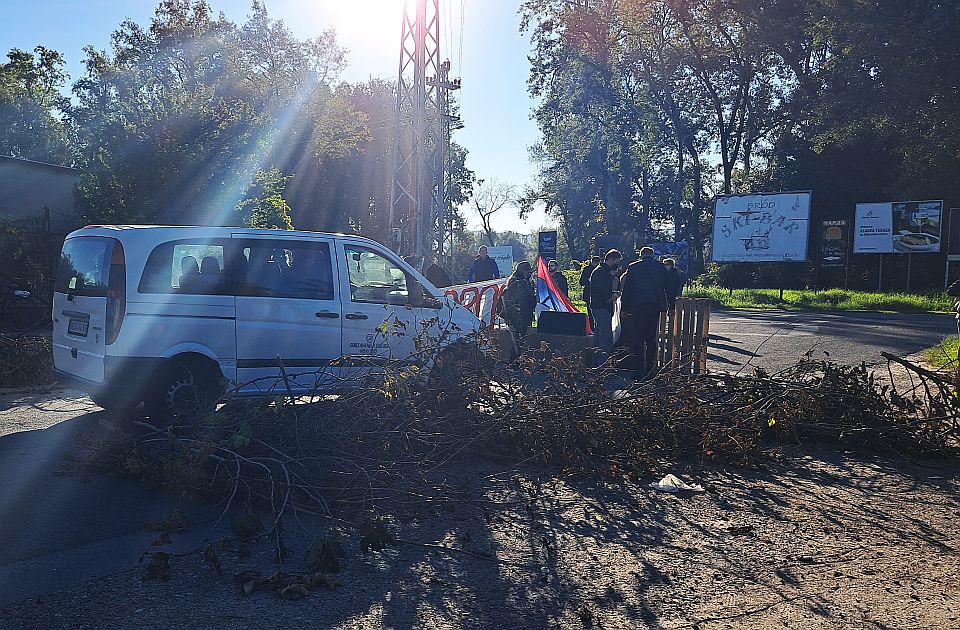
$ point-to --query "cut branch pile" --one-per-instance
(386, 444)
(25, 361)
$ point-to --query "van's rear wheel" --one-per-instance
(180, 391)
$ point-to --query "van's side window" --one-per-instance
(374, 278)
(191, 267)
(285, 268)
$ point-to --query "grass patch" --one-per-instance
(826, 300)
(943, 353)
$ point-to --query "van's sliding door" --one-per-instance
(288, 313)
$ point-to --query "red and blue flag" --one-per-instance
(551, 298)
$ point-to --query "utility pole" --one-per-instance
(420, 213)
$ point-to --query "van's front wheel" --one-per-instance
(179, 391)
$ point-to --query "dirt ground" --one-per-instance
(819, 539)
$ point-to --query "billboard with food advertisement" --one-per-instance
(901, 227)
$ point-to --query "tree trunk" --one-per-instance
(645, 201)
(695, 241)
(678, 209)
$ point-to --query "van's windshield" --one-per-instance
(85, 266)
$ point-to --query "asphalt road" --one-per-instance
(776, 340)
(60, 525)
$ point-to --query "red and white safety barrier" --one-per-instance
(481, 298)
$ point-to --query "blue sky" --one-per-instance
(491, 57)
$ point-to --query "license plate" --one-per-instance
(78, 327)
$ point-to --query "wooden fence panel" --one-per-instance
(684, 335)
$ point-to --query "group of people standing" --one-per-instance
(646, 288)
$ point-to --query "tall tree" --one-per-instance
(490, 197)
(33, 112)
(180, 116)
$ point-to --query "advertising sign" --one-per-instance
(953, 236)
(873, 229)
(503, 254)
(547, 245)
(623, 244)
(834, 243)
(679, 251)
(762, 227)
(906, 227)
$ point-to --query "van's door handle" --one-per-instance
(328, 314)
(355, 316)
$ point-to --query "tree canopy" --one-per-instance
(33, 112)
(649, 108)
(195, 119)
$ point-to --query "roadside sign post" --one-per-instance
(835, 246)
(909, 265)
(880, 276)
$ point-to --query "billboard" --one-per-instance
(953, 235)
(834, 243)
(903, 227)
(547, 244)
(503, 254)
(623, 244)
(762, 227)
(679, 251)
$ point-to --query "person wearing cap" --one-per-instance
(519, 302)
(558, 278)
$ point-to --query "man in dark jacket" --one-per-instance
(585, 283)
(646, 290)
(558, 278)
(519, 302)
(677, 280)
(483, 267)
(437, 276)
(603, 291)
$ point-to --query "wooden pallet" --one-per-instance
(684, 335)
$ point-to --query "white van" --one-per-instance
(166, 315)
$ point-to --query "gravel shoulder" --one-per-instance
(819, 539)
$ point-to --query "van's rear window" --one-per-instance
(85, 266)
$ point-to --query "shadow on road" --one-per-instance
(63, 523)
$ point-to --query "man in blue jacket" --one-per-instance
(645, 293)
(483, 267)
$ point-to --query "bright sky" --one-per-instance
(492, 61)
